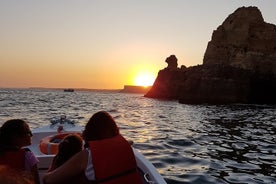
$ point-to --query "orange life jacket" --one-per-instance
(14, 159)
(114, 161)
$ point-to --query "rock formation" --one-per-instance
(135, 89)
(244, 40)
(172, 62)
(239, 65)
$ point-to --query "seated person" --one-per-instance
(14, 135)
(67, 148)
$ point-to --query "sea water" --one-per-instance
(186, 143)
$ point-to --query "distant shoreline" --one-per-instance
(126, 89)
(82, 89)
(61, 89)
(135, 89)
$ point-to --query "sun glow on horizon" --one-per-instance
(144, 79)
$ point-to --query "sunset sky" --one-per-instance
(105, 44)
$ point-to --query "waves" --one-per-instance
(187, 144)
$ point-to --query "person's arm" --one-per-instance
(31, 164)
(69, 169)
(35, 174)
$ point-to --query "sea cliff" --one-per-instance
(239, 65)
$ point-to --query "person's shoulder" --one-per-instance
(82, 153)
(78, 157)
(79, 161)
(29, 154)
(26, 149)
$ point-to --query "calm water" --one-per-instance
(187, 143)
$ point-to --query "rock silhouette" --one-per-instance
(244, 40)
(239, 65)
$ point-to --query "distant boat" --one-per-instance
(68, 90)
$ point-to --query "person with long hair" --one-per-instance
(15, 134)
(68, 147)
(107, 157)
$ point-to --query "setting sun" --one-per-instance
(144, 79)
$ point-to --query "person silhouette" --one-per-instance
(15, 134)
(67, 148)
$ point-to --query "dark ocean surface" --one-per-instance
(186, 143)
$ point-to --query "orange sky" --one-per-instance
(105, 44)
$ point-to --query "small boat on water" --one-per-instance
(69, 90)
(58, 129)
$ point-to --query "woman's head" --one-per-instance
(71, 144)
(15, 133)
(100, 126)
(68, 147)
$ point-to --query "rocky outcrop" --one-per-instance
(239, 66)
(222, 84)
(135, 89)
(172, 62)
(245, 41)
